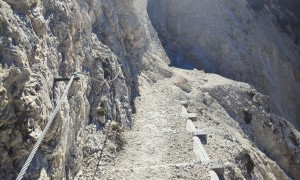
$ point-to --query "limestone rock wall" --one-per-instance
(40, 40)
(271, 134)
(238, 39)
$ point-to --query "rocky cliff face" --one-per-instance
(41, 40)
(241, 40)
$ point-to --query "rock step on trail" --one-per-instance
(158, 146)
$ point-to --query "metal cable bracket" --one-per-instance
(75, 76)
(40, 139)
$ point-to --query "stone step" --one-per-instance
(201, 155)
(184, 103)
(191, 116)
(190, 127)
(199, 150)
(183, 111)
(216, 165)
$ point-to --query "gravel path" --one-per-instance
(158, 146)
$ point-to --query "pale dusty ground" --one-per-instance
(158, 146)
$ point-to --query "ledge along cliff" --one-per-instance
(252, 112)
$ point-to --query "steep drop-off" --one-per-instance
(249, 41)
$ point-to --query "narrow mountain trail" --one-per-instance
(158, 146)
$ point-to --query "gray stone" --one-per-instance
(216, 165)
(184, 103)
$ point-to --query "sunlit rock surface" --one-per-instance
(254, 42)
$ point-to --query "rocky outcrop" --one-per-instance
(287, 15)
(41, 40)
(238, 39)
(273, 135)
(285, 12)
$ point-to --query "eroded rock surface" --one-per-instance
(242, 132)
(42, 40)
(239, 39)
